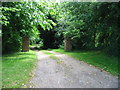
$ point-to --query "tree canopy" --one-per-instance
(21, 19)
(90, 25)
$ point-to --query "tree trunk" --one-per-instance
(25, 44)
(67, 44)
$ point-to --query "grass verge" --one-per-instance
(95, 58)
(17, 68)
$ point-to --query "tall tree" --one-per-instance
(21, 19)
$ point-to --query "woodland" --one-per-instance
(92, 25)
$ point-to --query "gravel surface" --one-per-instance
(67, 72)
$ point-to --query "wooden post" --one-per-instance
(25, 44)
(67, 44)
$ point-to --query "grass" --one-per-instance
(17, 68)
(95, 58)
(51, 55)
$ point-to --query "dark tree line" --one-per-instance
(88, 25)
(92, 25)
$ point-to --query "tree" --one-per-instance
(92, 25)
(22, 19)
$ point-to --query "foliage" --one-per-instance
(92, 25)
(21, 19)
(17, 69)
(51, 38)
(61, 46)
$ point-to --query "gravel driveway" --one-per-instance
(67, 72)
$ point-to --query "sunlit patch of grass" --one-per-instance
(60, 62)
(51, 55)
(95, 58)
(17, 68)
